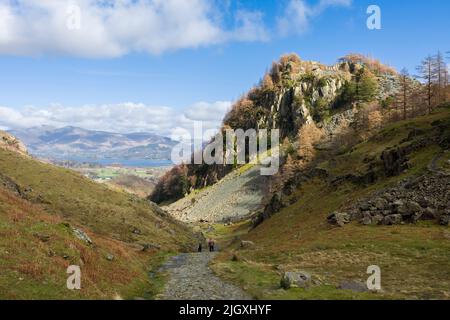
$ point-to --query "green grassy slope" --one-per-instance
(414, 259)
(39, 205)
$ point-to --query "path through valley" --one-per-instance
(190, 278)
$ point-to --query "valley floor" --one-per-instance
(414, 258)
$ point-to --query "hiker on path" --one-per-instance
(199, 247)
(211, 245)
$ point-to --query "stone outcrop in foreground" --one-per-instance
(423, 198)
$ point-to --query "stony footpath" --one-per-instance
(190, 278)
(233, 198)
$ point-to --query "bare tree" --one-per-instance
(405, 83)
(425, 70)
(440, 75)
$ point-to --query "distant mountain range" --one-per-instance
(69, 143)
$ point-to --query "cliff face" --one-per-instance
(10, 142)
(292, 94)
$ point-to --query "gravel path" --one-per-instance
(190, 278)
(231, 199)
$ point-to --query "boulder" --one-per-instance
(393, 219)
(400, 207)
(364, 206)
(429, 214)
(367, 219)
(413, 207)
(377, 218)
(380, 203)
(444, 221)
(339, 218)
(109, 257)
(299, 279)
(136, 231)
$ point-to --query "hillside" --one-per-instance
(77, 143)
(51, 218)
(364, 180)
(412, 254)
(294, 94)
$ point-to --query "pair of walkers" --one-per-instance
(211, 246)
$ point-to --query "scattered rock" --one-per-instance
(136, 231)
(412, 200)
(298, 279)
(109, 257)
(80, 234)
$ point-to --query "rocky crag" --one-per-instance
(294, 93)
(10, 142)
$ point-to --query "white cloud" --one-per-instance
(123, 117)
(298, 15)
(112, 28)
(250, 27)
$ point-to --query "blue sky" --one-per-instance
(198, 67)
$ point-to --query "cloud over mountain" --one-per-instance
(122, 117)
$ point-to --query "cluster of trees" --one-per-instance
(423, 92)
(172, 186)
(363, 88)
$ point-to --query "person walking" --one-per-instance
(211, 245)
(199, 247)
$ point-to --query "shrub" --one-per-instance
(308, 136)
(373, 64)
(172, 186)
(321, 110)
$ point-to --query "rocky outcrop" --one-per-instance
(293, 93)
(10, 142)
(423, 198)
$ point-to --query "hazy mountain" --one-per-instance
(72, 142)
